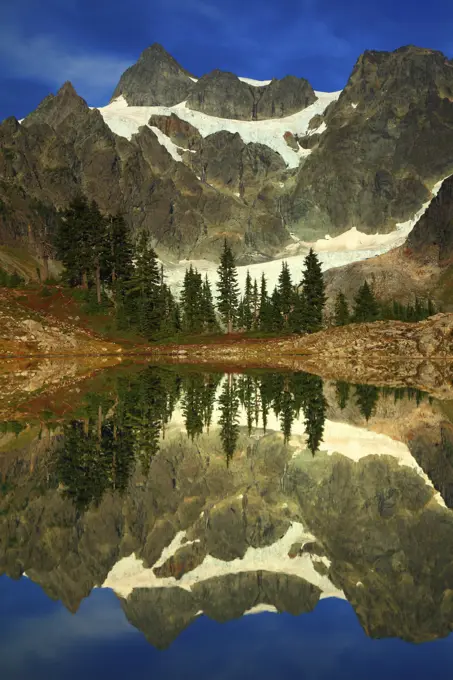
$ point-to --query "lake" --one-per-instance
(184, 523)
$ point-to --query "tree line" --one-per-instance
(99, 256)
(367, 308)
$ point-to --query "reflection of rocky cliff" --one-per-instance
(276, 529)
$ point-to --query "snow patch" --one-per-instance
(354, 106)
(126, 120)
(255, 83)
(129, 573)
(194, 80)
(260, 608)
(167, 143)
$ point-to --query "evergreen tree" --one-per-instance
(207, 308)
(366, 306)
(315, 407)
(341, 310)
(144, 301)
(367, 397)
(229, 406)
(247, 304)
(313, 291)
(255, 305)
(286, 294)
(265, 309)
(192, 301)
(96, 245)
(121, 250)
(297, 316)
(71, 238)
(276, 316)
(228, 292)
(342, 390)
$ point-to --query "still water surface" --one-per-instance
(182, 524)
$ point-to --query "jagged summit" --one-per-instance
(55, 108)
(156, 79)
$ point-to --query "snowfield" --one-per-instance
(126, 120)
(351, 246)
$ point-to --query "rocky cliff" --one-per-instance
(368, 160)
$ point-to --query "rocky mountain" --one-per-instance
(422, 266)
(193, 161)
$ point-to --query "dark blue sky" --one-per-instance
(91, 42)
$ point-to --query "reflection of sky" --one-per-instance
(40, 640)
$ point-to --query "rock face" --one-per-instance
(432, 236)
(66, 147)
(421, 267)
(387, 141)
(156, 79)
(178, 131)
(222, 94)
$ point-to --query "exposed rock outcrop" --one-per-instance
(156, 79)
(388, 138)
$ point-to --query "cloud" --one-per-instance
(53, 635)
(44, 59)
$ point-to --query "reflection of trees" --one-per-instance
(198, 401)
(367, 397)
(229, 407)
(342, 390)
(92, 461)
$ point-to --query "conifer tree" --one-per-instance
(341, 310)
(265, 310)
(276, 316)
(366, 306)
(313, 292)
(143, 291)
(367, 397)
(227, 286)
(192, 301)
(247, 304)
(119, 261)
(342, 393)
(297, 316)
(255, 304)
(286, 293)
(207, 308)
(229, 407)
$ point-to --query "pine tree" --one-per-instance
(192, 301)
(247, 304)
(297, 316)
(342, 393)
(367, 397)
(96, 245)
(207, 308)
(255, 305)
(313, 292)
(276, 316)
(265, 309)
(366, 306)
(286, 293)
(121, 249)
(229, 407)
(228, 292)
(70, 240)
(143, 292)
(341, 310)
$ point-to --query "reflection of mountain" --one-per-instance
(277, 529)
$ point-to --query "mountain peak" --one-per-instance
(155, 79)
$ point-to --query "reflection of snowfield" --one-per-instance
(351, 441)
